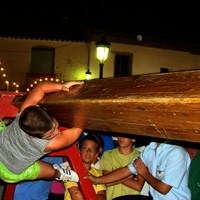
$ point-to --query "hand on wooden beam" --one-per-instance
(66, 86)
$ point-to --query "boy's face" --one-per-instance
(125, 142)
(89, 151)
(53, 132)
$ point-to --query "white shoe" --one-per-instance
(66, 175)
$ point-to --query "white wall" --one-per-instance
(71, 59)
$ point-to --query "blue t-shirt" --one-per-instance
(36, 190)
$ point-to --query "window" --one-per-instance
(123, 65)
(42, 60)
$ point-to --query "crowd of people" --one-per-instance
(118, 172)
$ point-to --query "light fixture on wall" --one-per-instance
(102, 50)
(88, 72)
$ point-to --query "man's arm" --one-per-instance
(124, 172)
(113, 176)
(133, 183)
(158, 185)
(38, 92)
(116, 182)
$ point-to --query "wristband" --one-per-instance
(2, 125)
(132, 169)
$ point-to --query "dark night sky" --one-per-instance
(164, 19)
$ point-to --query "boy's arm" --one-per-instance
(64, 139)
(101, 195)
(75, 193)
(39, 91)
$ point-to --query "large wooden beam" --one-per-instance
(157, 105)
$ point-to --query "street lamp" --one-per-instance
(102, 50)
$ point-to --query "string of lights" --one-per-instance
(9, 85)
(14, 86)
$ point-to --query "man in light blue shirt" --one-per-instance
(166, 168)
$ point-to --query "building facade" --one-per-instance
(27, 59)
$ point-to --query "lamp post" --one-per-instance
(102, 50)
(88, 74)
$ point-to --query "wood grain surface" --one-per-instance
(163, 105)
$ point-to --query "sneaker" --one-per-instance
(66, 175)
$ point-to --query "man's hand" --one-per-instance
(140, 167)
(92, 178)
